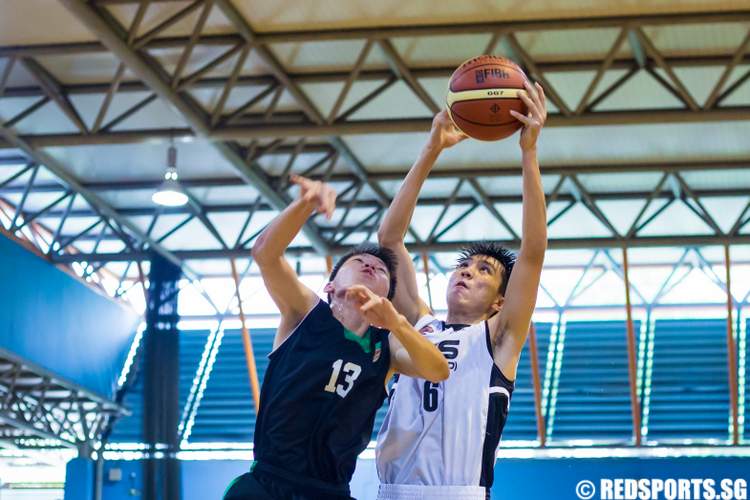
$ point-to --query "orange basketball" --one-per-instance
(482, 92)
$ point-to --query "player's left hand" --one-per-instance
(319, 194)
(377, 310)
(444, 134)
(533, 122)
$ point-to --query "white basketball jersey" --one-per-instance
(447, 433)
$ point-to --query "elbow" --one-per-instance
(533, 250)
(387, 239)
(536, 255)
(260, 251)
(440, 372)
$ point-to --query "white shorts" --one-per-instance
(420, 492)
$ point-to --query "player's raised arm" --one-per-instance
(510, 327)
(293, 299)
(396, 221)
(411, 353)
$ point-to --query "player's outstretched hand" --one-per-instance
(318, 193)
(444, 133)
(533, 122)
(379, 311)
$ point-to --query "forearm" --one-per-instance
(396, 221)
(426, 359)
(534, 224)
(274, 240)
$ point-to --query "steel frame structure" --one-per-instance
(672, 188)
(236, 135)
(37, 407)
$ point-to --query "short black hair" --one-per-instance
(497, 252)
(387, 256)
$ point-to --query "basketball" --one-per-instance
(481, 94)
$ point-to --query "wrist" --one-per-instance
(399, 323)
(434, 145)
(529, 152)
(304, 204)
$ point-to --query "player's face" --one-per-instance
(474, 285)
(367, 270)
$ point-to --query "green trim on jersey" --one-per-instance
(363, 341)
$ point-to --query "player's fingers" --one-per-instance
(521, 118)
(353, 292)
(542, 96)
(531, 89)
(309, 195)
(530, 104)
(542, 104)
(300, 181)
(330, 203)
(367, 306)
(366, 291)
(357, 291)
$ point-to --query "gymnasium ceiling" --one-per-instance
(647, 143)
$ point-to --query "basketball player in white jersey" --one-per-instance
(438, 441)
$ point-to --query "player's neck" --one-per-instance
(349, 317)
(459, 317)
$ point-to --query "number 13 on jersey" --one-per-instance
(351, 372)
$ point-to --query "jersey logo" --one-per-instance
(426, 329)
(449, 348)
(378, 351)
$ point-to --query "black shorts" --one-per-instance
(259, 486)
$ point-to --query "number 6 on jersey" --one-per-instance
(430, 396)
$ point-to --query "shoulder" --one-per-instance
(319, 317)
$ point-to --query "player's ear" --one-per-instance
(497, 304)
(329, 288)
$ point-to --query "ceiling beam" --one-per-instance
(423, 202)
(398, 174)
(93, 199)
(452, 246)
(573, 23)
(251, 173)
(303, 101)
(363, 127)
(577, 23)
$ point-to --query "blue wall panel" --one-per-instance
(529, 479)
(53, 320)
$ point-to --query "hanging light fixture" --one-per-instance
(170, 192)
